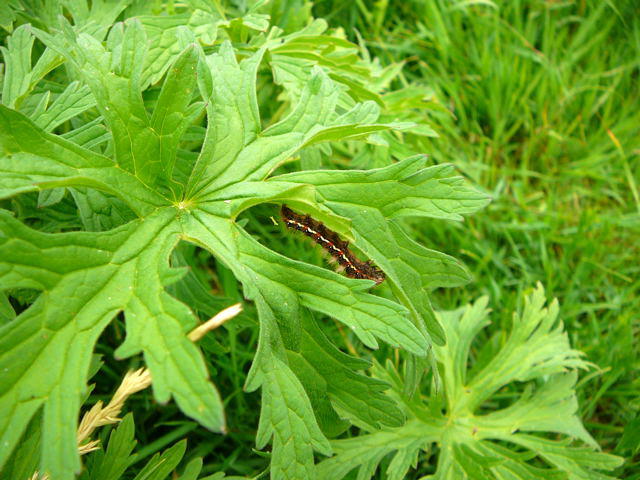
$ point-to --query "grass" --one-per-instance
(544, 115)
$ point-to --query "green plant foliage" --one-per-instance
(153, 196)
(475, 440)
(541, 110)
(114, 461)
(145, 148)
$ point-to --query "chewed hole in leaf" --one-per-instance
(17, 300)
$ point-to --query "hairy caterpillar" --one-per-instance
(332, 243)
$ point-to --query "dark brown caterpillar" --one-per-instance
(332, 243)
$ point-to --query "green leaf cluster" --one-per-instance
(117, 458)
(152, 147)
(494, 402)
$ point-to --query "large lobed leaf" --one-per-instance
(475, 440)
(85, 279)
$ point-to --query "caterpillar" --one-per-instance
(332, 243)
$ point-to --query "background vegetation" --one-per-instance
(544, 103)
(537, 104)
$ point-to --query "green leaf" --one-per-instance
(20, 77)
(479, 443)
(7, 313)
(111, 464)
(233, 114)
(372, 199)
(73, 101)
(17, 60)
(144, 146)
(192, 470)
(287, 416)
(405, 188)
(174, 112)
(355, 396)
(95, 274)
(8, 14)
(100, 211)
(289, 15)
(233, 152)
(324, 291)
(578, 461)
(169, 35)
(32, 160)
(46, 198)
(315, 387)
(89, 135)
(293, 57)
(162, 464)
(26, 457)
(631, 437)
(367, 315)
